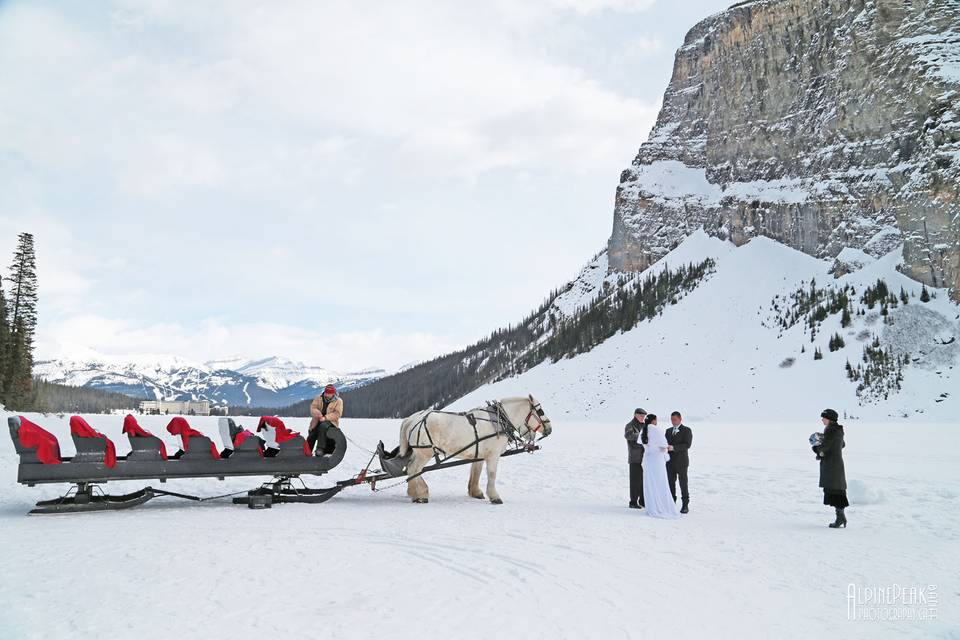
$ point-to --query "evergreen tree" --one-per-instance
(4, 344)
(18, 370)
(924, 294)
(23, 286)
(845, 318)
(18, 384)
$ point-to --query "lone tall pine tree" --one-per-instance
(21, 312)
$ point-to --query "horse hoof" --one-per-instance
(496, 501)
(478, 497)
(421, 500)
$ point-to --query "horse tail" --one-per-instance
(404, 432)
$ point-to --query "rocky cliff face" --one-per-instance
(822, 124)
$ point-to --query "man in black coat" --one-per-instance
(679, 440)
(635, 457)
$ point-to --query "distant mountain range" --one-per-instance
(269, 382)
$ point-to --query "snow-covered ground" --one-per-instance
(562, 558)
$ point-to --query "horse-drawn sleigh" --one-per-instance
(476, 437)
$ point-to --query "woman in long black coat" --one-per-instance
(833, 478)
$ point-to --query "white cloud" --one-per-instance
(642, 46)
(212, 339)
(531, 12)
(63, 280)
(441, 89)
(166, 162)
(176, 160)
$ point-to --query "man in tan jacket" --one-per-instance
(325, 412)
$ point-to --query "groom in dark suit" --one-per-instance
(679, 439)
(631, 431)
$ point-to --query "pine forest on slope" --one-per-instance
(546, 334)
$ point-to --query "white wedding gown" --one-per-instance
(656, 489)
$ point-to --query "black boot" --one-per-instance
(685, 508)
(841, 520)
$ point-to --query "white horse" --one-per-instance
(454, 434)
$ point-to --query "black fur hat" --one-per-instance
(830, 415)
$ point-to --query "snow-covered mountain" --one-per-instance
(760, 331)
(794, 200)
(811, 151)
(743, 344)
(236, 381)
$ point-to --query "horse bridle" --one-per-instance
(512, 431)
(535, 412)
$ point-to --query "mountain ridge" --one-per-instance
(234, 381)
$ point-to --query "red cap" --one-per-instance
(329, 390)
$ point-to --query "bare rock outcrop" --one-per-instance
(822, 124)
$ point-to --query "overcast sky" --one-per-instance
(346, 183)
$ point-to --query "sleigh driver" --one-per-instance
(325, 412)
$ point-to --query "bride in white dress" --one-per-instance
(657, 499)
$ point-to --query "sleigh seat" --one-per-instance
(92, 446)
(195, 445)
(144, 446)
(34, 444)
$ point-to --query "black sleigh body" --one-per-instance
(145, 461)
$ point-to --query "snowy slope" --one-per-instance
(585, 288)
(562, 558)
(235, 381)
(717, 354)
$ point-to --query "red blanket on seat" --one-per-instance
(283, 433)
(35, 437)
(132, 428)
(242, 437)
(179, 427)
(80, 428)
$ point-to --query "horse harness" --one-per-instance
(495, 414)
